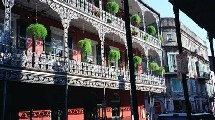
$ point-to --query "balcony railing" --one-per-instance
(21, 59)
(91, 10)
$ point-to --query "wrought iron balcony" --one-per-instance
(91, 10)
(13, 58)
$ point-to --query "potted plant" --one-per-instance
(135, 20)
(37, 34)
(151, 30)
(97, 13)
(113, 8)
(85, 47)
(153, 66)
(137, 61)
(145, 37)
(160, 71)
(134, 32)
(113, 55)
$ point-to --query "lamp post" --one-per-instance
(184, 80)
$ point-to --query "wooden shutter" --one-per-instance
(22, 35)
(98, 54)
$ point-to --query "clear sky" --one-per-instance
(166, 10)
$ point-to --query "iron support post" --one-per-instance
(131, 62)
(184, 80)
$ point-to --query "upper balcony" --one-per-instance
(18, 65)
(95, 12)
(46, 66)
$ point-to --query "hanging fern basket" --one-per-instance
(37, 31)
(160, 70)
(151, 30)
(112, 7)
(114, 55)
(153, 66)
(135, 19)
(85, 46)
(137, 61)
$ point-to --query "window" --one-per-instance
(172, 61)
(157, 107)
(176, 85)
(13, 28)
(114, 64)
(169, 37)
(178, 105)
(192, 68)
(193, 85)
(57, 41)
(202, 89)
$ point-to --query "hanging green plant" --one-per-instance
(151, 30)
(135, 19)
(137, 61)
(114, 55)
(160, 70)
(112, 7)
(153, 66)
(85, 46)
(37, 31)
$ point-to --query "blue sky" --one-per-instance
(165, 9)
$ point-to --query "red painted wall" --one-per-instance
(77, 35)
(77, 101)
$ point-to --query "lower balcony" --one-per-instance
(23, 66)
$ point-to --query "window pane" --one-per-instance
(176, 85)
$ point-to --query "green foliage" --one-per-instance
(151, 30)
(98, 13)
(160, 70)
(135, 19)
(145, 37)
(85, 46)
(112, 7)
(134, 31)
(137, 61)
(153, 66)
(37, 31)
(160, 38)
(114, 55)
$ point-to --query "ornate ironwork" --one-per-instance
(79, 73)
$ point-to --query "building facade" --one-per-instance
(51, 78)
(211, 87)
(197, 63)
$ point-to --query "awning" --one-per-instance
(200, 11)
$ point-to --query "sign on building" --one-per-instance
(182, 64)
